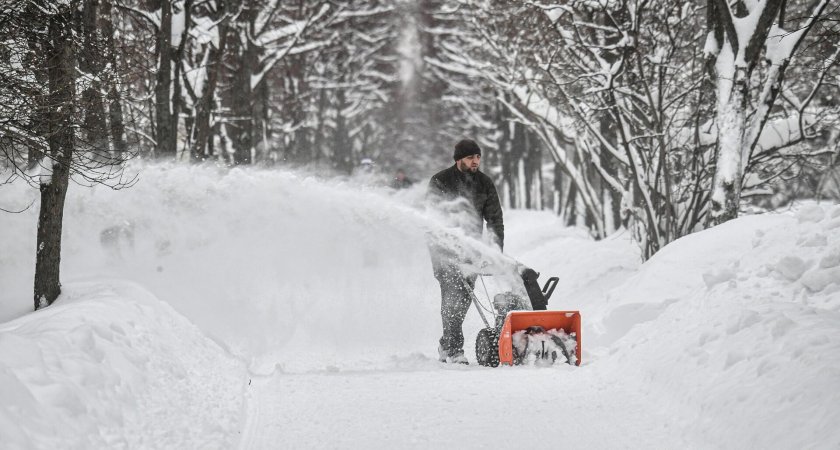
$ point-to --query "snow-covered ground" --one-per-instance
(264, 309)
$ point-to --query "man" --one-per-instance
(462, 184)
(400, 181)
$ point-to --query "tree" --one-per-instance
(739, 34)
(53, 43)
(264, 34)
(618, 93)
(205, 70)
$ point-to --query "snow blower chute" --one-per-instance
(523, 336)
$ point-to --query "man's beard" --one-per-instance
(465, 167)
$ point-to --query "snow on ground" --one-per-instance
(110, 366)
(317, 300)
(738, 325)
(418, 404)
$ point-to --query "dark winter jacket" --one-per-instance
(480, 195)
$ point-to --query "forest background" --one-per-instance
(662, 117)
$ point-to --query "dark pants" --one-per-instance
(455, 298)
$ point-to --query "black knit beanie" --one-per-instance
(466, 147)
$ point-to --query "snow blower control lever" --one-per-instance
(539, 297)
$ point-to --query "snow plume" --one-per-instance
(263, 261)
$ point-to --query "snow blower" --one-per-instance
(523, 335)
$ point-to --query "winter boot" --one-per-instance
(458, 358)
(444, 356)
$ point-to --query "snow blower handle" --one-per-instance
(548, 289)
(475, 302)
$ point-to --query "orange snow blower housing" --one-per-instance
(569, 321)
(553, 333)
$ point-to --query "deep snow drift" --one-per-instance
(726, 338)
(110, 366)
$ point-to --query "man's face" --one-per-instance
(470, 163)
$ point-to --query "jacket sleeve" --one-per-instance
(492, 213)
(435, 191)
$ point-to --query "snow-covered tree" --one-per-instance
(742, 36)
(264, 33)
(618, 93)
(340, 92)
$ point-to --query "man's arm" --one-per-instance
(435, 191)
(493, 215)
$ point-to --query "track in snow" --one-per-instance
(434, 406)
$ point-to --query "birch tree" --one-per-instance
(739, 35)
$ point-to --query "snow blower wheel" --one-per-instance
(487, 347)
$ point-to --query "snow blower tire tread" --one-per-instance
(487, 347)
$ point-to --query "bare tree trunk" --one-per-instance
(115, 110)
(610, 165)
(508, 193)
(515, 155)
(202, 130)
(259, 118)
(342, 153)
(94, 126)
(35, 58)
(300, 150)
(533, 172)
(61, 69)
(163, 86)
(177, 100)
(246, 57)
(557, 189)
(318, 142)
(571, 205)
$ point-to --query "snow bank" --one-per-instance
(738, 325)
(110, 366)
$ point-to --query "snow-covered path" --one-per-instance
(426, 405)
